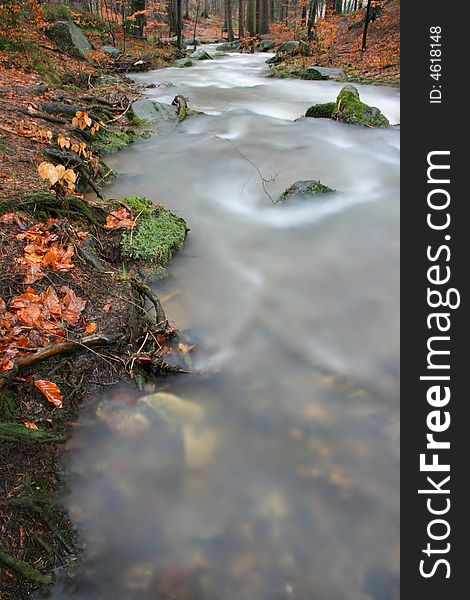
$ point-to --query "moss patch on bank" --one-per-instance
(158, 233)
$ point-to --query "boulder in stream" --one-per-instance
(321, 111)
(230, 46)
(163, 117)
(350, 109)
(184, 63)
(193, 42)
(325, 72)
(201, 54)
(69, 38)
(305, 190)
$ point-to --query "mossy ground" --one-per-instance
(157, 236)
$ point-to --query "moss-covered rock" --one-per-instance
(350, 109)
(305, 190)
(184, 63)
(321, 111)
(112, 140)
(158, 233)
(69, 38)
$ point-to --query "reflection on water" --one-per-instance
(286, 485)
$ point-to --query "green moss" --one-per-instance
(57, 11)
(16, 433)
(141, 206)
(186, 112)
(321, 111)
(350, 109)
(305, 190)
(112, 140)
(8, 406)
(158, 234)
(24, 569)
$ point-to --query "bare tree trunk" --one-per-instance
(366, 25)
(241, 20)
(251, 17)
(228, 12)
(264, 17)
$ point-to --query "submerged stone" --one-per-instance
(69, 38)
(305, 190)
(174, 409)
(350, 109)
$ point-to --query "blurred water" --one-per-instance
(288, 487)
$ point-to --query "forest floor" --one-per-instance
(69, 299)
(73, 308)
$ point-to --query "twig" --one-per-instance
(122, 114)
(264, 181)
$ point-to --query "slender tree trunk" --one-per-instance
(228, 12)
(366, 25)
(264, 17)
(311, 19)
(241, 20)
(251, 17)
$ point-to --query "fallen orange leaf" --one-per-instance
(91, 328)
(50, 391)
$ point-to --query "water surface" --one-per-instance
(288, 488)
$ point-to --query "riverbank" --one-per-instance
(76, 314)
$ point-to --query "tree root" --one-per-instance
(145, 292)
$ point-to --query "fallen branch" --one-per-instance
(122, 114)
(88, 342)
(24, 569)
(35, 115)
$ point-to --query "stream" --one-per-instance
(288, 488)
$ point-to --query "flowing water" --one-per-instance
(288, 486)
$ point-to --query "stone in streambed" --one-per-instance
(349, 108)
(184, 62)
(69, 38)
(322, 111)
(325, 72)
(201, 54)
(230, 46)
(162, 116)
(173, 409)
(305, 190)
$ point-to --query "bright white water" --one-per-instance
(296, 308)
